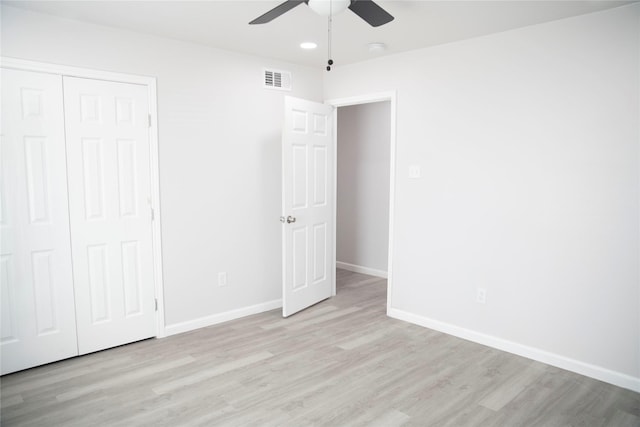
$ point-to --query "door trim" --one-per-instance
(150, 83)
(390, 96)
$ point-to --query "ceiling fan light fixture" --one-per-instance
(327, 7)
(308, 45)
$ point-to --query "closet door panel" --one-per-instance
(109, 201)
(37, 299)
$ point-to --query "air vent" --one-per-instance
(276, 79)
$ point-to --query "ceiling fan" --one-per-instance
(369, 11)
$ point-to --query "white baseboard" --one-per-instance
(361, 269)
(214, 319)
(582, 368)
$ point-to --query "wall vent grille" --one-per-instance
(276, 79)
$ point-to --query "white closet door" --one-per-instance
(37, 303)
(109, 202)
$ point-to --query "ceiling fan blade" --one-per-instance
(373, 14)
(277, 11)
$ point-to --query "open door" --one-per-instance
(307, 204)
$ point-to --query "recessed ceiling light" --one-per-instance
(377, 47)
(308, 45)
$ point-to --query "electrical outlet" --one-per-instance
(481, 295)
(222, 279)
(415, 171)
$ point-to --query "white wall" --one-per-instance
(219, 136)
(363, 185)
(529, 147)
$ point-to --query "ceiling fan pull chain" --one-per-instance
(330, 61)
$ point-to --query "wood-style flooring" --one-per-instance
(342, 362)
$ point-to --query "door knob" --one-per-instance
(288, 219)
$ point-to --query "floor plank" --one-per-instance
(342, 362)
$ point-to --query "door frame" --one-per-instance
(150, 83)
(390, 96)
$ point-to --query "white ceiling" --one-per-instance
(224, 24)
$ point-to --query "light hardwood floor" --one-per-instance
(339, 363)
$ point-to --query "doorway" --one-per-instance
(365, 157)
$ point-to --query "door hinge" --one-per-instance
(149, 120)
(156, 304)
(153, 214)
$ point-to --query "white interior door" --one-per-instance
(110, 208)
(37, 303)
(308, 214)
